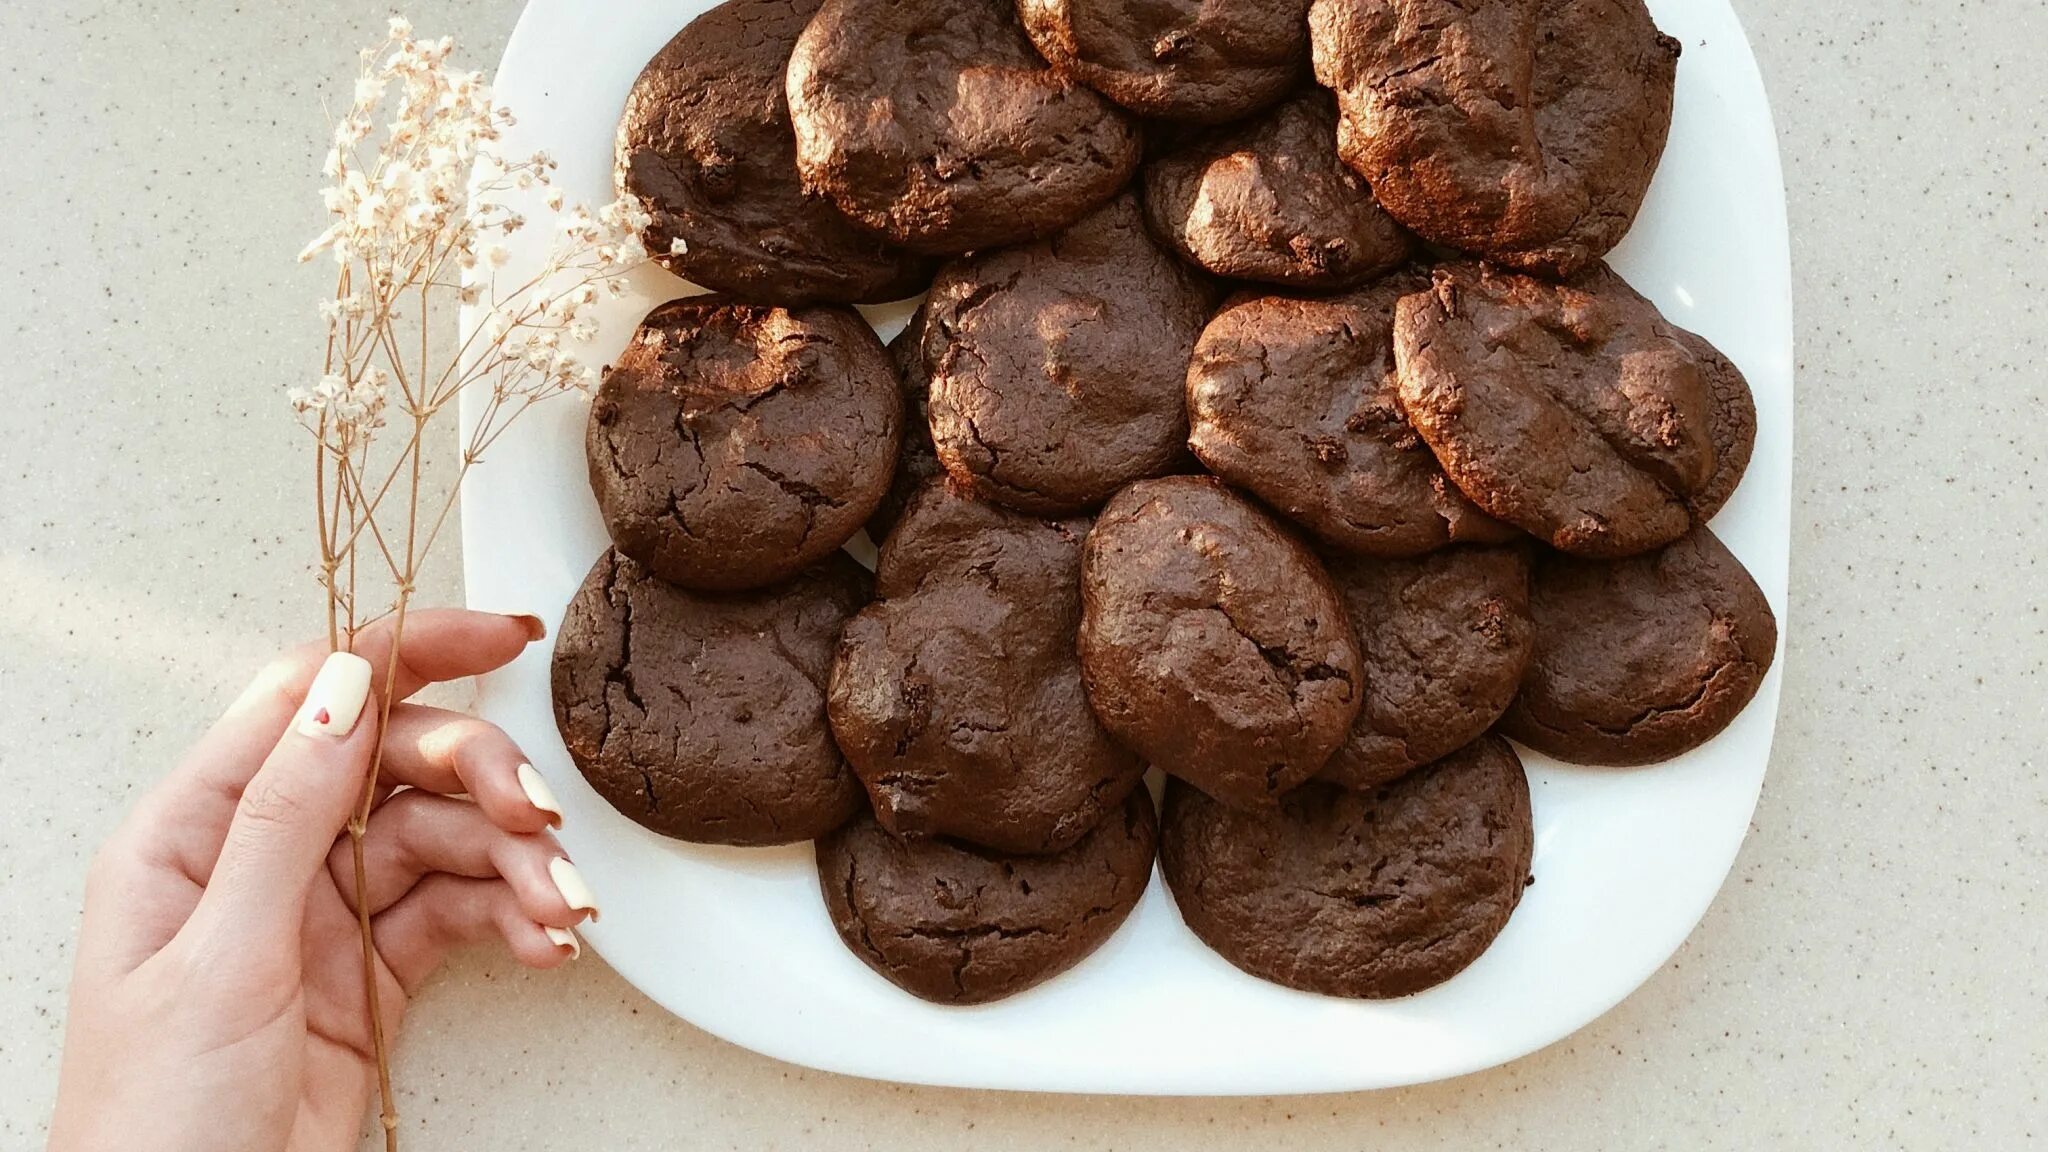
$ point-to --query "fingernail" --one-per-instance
(535, 629)
(539, 794)
(564, 938)
(336, 698)
(575, 890)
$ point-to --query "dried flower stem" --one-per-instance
(410, 227)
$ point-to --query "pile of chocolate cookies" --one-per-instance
(1271, 420)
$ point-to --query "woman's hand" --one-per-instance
(217, 1001)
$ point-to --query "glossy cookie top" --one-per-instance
(934, 124)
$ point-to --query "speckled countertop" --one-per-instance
(1875, 974)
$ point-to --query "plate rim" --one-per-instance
(789, 1046)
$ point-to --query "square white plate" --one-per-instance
(737, 940)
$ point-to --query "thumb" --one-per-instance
(294, 807)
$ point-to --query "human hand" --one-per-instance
(217, 998)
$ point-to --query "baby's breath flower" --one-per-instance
(401, 209)
(628, 252)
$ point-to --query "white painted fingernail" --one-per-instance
(575, 890)
(539, 794)
(564, 938)
(336, 698)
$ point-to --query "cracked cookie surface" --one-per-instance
(705, 146)
(702, 716)
(1445, 639)
(1364, 894)
(1294, 400)
(961, 925)
(935, 124)
(1268, 200)
(1525, 131)
(1212, 641)
(1189, 60)
(957, 695)
(1574, 411)
(1640, 660)
(1058, 369)
(732, 445)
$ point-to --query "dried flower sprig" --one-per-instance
(418, 193)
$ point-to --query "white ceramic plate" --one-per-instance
(737, 941)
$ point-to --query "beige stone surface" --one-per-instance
(1875, 974)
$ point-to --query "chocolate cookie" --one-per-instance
(702, 717)
(1269, 200)
(1523, 130)
(957, 695)
(1574, 411)
(933, 123)
(705, 147)
(1294, 400)
(732, 445)
(1212, 642)
(918, 461)
(1445, 638)
(1058, 368)
(1733, 426)
(1367, 894)
(1189, 60)
(961, 925)
(1642, 659)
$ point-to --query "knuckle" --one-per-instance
(458, 735)
(460, 743)
(268, 806)
(282, 679)
(399, 825)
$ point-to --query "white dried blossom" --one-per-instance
(418, 198)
